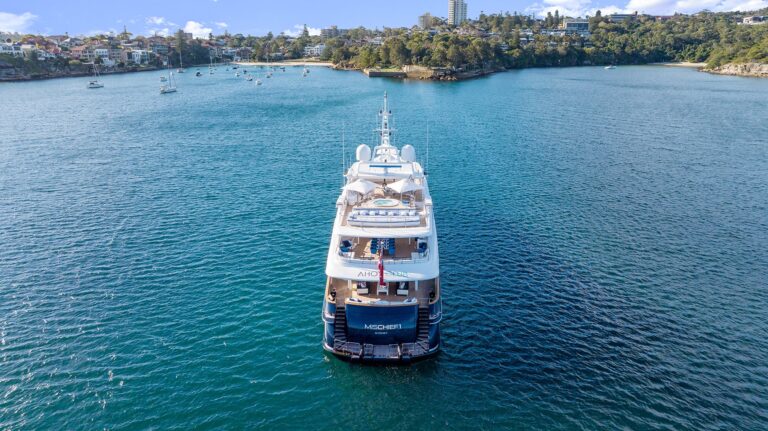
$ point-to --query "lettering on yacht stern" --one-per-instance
(387, 273)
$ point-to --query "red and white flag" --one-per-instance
(381, 268)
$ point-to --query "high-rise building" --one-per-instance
(425, 21)
(332, 31)
(457, 12)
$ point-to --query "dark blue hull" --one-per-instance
(388, 334)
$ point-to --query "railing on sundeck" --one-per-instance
(399, 250)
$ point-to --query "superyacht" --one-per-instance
(382, 298)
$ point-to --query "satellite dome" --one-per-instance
(363, 153)
(408, 153)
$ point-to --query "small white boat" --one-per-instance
(258, 82)
(611, 67)
(249, 78)
(237, 74)
(95, 83)
(170, 87)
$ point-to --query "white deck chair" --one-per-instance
(362, 288)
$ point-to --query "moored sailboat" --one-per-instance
(170, 87)
(95, 83)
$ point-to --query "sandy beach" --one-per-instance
(285, 63)
(682, 64)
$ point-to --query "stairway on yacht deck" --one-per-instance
(422, 337)
(340, 325)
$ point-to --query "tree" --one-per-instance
(398, 53)
(125, 35)
(455, 57)
(595, 21)
(181, 41)
(367, 57)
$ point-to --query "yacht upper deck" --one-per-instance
(386, 188)
(384, 215)
(383, 206)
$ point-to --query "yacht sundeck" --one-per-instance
(382, 295)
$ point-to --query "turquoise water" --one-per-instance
(603, 235)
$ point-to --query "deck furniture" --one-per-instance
(374, 246)
(402, 288)
(362, 288)
(422, 247)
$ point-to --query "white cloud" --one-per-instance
(159, 25)
(661, 7)
(221, 24)
(164, 31)
(298, 29)
(13, 23)
(155, 20)
(197, 29)
(110, 31)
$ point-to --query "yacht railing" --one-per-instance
(374, 260)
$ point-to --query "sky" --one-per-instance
(257, 17)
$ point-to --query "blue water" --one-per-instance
(603, 235)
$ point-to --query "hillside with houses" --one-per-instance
(433, 49)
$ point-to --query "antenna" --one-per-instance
(426, 169)
(343, 150)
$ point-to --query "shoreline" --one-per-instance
(285, 63)
(680, 64)
(419, 73)
(76, 75)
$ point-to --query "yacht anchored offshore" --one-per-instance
(382, 294)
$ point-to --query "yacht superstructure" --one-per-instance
(382, 295)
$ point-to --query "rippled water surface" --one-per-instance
(603, 234)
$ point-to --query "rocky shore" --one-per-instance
(421, 72)
(11, 73)
(755, 70)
